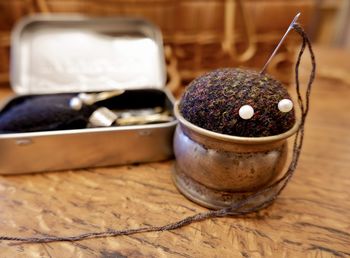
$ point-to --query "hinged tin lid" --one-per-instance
(52, 54)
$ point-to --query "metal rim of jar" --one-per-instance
(235, 139)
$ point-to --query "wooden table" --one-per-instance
(310, 219)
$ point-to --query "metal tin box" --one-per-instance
(60, 54)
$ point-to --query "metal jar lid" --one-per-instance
(55, 53)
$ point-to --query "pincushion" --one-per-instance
(213, 102)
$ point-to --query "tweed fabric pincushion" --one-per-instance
(213, 100)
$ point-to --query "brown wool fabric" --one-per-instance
(213, 100)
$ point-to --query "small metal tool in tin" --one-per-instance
(138, 112)
(77, 102)
(142, 120)
(104, 117)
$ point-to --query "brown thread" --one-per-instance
(240, 208)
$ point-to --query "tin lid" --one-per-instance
(52, 54)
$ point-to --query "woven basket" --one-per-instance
(199, 35)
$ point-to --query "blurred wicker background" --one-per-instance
(199, 35)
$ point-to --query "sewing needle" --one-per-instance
(280, 43)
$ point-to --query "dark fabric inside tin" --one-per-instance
(51, 112)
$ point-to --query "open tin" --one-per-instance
(65, 54)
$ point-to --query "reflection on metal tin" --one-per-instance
(71, 55)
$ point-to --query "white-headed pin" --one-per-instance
(285, 105)
(246, 112)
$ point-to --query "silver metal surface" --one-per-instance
(280, 43)
(52, 54)
(242, 170)
(102, 117)
(97, 147)
(35, 71)
(139, 112)
(145, 119)
(218, 171)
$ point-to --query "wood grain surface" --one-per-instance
(310, 219)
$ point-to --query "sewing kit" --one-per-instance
(90, 92)
(106, 83)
